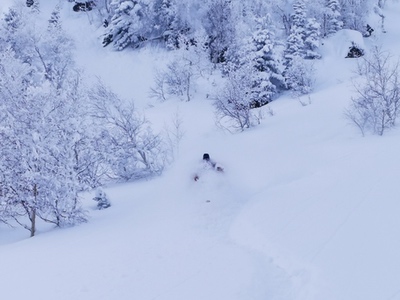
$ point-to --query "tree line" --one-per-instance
(58, 135)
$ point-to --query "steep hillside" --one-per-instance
(306, 207)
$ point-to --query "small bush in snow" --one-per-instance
(179, 78)
(101, 199)
(355, 51)
(233, 103)
(180, 75)
(376, 106)
(29, 3)
(300, 75)
(83, 6)
(176, 80)
(159, 89)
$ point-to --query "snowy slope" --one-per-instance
(306, 208)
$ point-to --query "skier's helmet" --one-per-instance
(206, 156)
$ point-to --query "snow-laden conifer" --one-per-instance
(129, 24)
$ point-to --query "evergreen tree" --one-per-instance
(18, 33)
(129, 25)
(332, 17)
(11, 26)
(166, 21)
(54, 52)
(54, 21)
(262, 56)
(295, 41)
(299, 14)
(295, 44)
(312, 38)
(299, 75)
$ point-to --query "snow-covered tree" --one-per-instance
(260, 53)
(167, 24)
(37, 131)
(179, 77)
(16, 32)
(54, 52)
(295, 41)
(42, 121)
(332, 17)
(381, 3)
(49, 50)
(378, 10)
(312, 39)
(376, 106)
(233, 103)
(295, 44)
(134, 151)
(282, 10)
(300, 75)
(54, 21)
(299, 15)
(302, 42)
(219, 24)
(129, 25)
(102, 199)
(355, 12)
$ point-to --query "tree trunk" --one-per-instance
(33, 223)
(32, 216)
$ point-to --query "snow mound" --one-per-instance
(339, 44)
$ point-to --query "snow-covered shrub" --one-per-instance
(376, 106)
(131, 149)
(219, 23)
(233, 103)
(174, 134)
(355, 51)
(179, 78)
(379, 12)
(176, 80)
(180, 75)
(300, 75)
(84, 6)
(102, 200)
(159, 89)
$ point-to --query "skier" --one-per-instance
(369, 32)
(208, 164)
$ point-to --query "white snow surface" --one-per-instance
(339, 44)
(306, 208)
